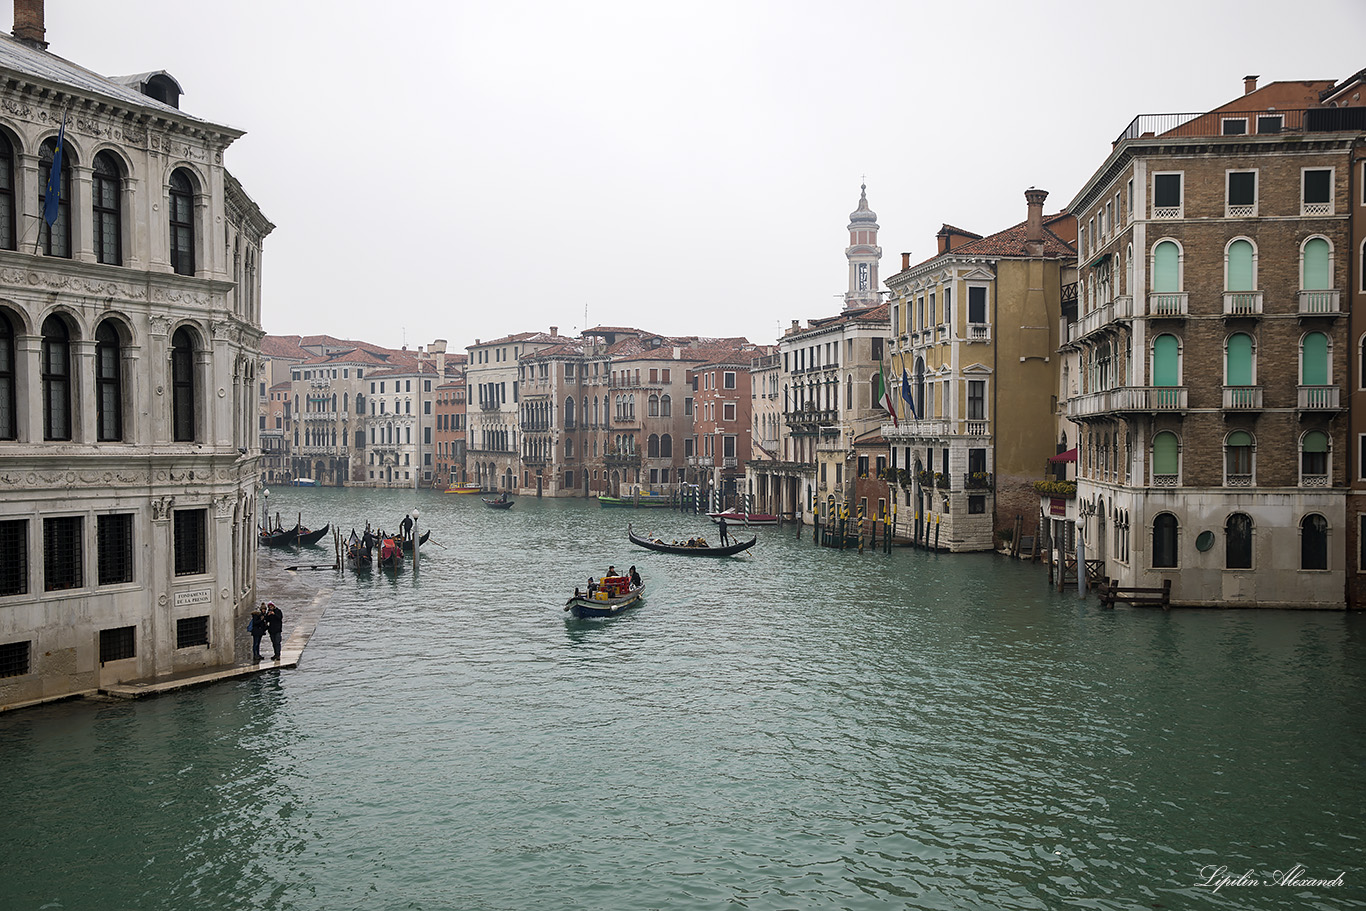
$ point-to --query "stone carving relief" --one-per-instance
(161, 508)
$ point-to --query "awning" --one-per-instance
(1068, 456)
(1104, 257)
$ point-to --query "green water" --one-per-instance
(798, 729)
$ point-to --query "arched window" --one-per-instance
(1240, 272)
(56, 237)
(1314, 455)
(652, 447)
(1313, 542)
(183, 411)
(654, 405)
(1164, 541)
(56, 370)
(1238, 459)
(1238, 364)
(569, 448)
(108, 384)
(181, 218)
(1166, 267)
(7, 233)
(1166, 361)
(1166, 458)
(666, 447)
(106, 202)
(666, 407)
(569, 413)
(1238, 541)
(1314, 360)
(1316, 269)
(920, 387)
(9, 429)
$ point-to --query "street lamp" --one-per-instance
(265, 493)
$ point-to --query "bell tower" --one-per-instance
(863, 254)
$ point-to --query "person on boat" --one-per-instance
(724, 537)
(611, 571)
(406, 526)
(592, 586)
(635, 577)
(504, 497)
(692, 542)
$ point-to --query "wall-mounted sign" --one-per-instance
(202, 596)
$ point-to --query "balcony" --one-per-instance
(1319, 303)
(1242, 398)
(1168, 304)
(728, 462)
(979, 332)
(978, 429)
(621, 458)
(1125, 399)
(810, 418)
(320, 416)
(1242, 303)
(1319, 398)
(978, 480)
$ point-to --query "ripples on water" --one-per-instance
(800, 729)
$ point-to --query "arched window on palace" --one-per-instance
(56, 379)
(55, 238)
(181, 219)
(108, 383)
(1314, 542)
(184, 422)
(1238, 541)
(106, 205)
(9, 425)
(1164, 541)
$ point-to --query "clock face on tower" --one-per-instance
(863, 276)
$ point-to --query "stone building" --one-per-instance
(975, 340)
(448, 416)
(1213, 350)
(827, 372)
(129, 346)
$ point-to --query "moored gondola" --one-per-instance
(407, 543)
(696, 550)
(292, 537)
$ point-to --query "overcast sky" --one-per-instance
(468, 170)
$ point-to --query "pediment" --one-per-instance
(977, 370)
(977, 274)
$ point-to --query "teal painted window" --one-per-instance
(1314, 453)
(1240, 266)
(1314, 360)
(1165, 367)
(1166, 262)
(1166, 459)
(1239, 366)
(1316, 273)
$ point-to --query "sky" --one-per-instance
(461, 170)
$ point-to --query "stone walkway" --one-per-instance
(301, 619)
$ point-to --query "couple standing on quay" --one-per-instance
(265, 619)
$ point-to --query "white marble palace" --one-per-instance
(129, 343)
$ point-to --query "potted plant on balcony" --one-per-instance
(1049, 487)
(979, 480)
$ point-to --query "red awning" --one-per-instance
(1068, 456)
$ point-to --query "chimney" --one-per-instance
(905, 261)
(554, 331)
(943, 239)
(1249, 84)
(1034, 224)
(28, 23)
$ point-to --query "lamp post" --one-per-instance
(265, 493)
(415, 515)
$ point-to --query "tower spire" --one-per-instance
(863, 254)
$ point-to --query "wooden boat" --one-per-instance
(733, 517)
(407, 543)
(695, 551)
(644, 501)
(303, 482)
(504, 503)
(390, 554)
(465, 488)
(292, 537)
(358, 556)
(614, 595)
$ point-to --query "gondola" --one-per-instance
(614, 595)
(293, 537)
(390, 554)
(734, 517)
(685, 551)
(498, 504)
(358, 555)
(407, 543)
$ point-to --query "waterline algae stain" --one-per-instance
(797, 728)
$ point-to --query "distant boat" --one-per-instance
(503, 503)
(641, 501)
(465, 488)
(744, 518)
(292, 537)
(683, 550)
(303, 482)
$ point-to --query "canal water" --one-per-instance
(800, 728)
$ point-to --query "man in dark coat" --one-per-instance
(275, 619)
(725, 539)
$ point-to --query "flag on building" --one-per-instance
(906, 394)
(884, 396)
(53, 194)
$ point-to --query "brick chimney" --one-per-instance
(905, 261)
(1249, 84)
(554, 331)
(28, 23)
(1034, 224)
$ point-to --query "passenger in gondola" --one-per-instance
(692, 542)
(635, 578)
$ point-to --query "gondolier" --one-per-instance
(725, 539)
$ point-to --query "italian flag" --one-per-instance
(884, 395)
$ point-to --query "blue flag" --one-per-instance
(53, 194)
(906, 394)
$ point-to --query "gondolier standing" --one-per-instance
(725, 539)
